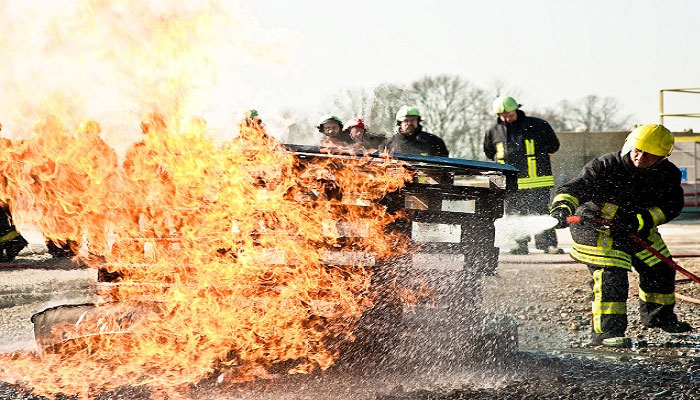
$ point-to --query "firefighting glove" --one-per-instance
(625, 223)
(561, 214)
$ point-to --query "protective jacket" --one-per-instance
(371, 141)
(611, 185)
(343, 139)
(525, 144)
(421, 143)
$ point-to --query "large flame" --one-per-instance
(228, 256)
(224, 254)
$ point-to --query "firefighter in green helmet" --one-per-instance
(250, 118)
(332, 129)
(526, 143)
(635, 190)
(410, 137)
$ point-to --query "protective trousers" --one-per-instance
(532, 202)
(610, 287)
(11, 243)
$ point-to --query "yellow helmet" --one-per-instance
(652, 139)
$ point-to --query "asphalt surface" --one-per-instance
(547, 294)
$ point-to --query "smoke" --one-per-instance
(115, 60)
(513, 227)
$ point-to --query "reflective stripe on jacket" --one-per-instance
(609, 185)
(525, 144)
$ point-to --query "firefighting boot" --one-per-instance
(619, 342)
(521, 249)
(554, 250)
(607, 338)
(677, 327)
(672, 326)
(654, 315)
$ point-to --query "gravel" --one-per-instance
(549, 296)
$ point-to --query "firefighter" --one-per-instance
(251, 118)
(250, 127)
(525, 143)
(332, 129)
(410, 137)
(11, 241)
(356, 129)
(636, 190)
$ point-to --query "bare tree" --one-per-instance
(389, 98)
(555, 118)
(377, 106)
(451, 107)
(500, 87)
(299, 129)
(589, 114)
(454, 109)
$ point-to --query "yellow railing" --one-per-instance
(692, 192)
(663, 114)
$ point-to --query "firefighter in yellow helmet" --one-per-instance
(636, 190)
(526, 143)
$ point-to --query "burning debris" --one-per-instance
(236, 261)
(221, 258)
(252, 258)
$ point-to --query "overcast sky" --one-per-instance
(546, 50)
(113, 61)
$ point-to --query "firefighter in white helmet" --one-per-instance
(411, 138)
(636, 190)
(526, 143)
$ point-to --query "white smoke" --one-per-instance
(115, 60)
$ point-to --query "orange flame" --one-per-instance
(225, 254)
(230, 257)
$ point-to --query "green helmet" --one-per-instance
(504, 104)
(407, 111)
(252, 113)
(326, 119)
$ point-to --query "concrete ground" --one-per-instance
(550, 296)
(547, 294)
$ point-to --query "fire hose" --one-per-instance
(574, 219)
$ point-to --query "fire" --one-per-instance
(225, 254)
(234, 260)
